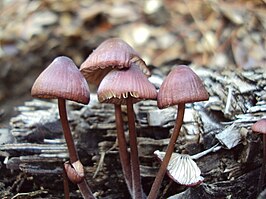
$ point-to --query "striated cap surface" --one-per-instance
(112, 53)
(61, 79)
(181, 85)
(117, 85)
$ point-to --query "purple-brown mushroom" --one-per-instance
(110, 54)
(63, 81)
(181, 86)
(128, 86)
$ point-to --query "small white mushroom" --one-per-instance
(182, 169)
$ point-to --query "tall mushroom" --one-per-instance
(181, 86)
(127, 87)
(260, 127)
(114, 53)
(62, 80)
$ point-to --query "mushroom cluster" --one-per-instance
(122, 79)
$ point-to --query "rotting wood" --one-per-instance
(237, 100)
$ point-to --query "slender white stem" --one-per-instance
(203, 153)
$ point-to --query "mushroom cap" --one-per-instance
(259, 126)
(62, 79)
(181, 85)
(182, 169)
(112, 53)
(117, 85)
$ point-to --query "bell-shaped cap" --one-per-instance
(182, 169)
(117, 85)
(259, 126)
(112, 53)
(61, 79)
(181, 85)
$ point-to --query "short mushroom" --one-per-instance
(260, 127)
(62, 80)
(126, 87)
(181, 86)
(112, 53)
(182, 169)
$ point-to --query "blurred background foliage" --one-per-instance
(218, 34)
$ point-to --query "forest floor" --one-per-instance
(223, 41)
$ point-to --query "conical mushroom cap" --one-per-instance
(181, 85)
(182, 169)
(112, 53)
(61, 79)
(260, 126)
(117, 85)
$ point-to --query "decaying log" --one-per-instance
(35, 142)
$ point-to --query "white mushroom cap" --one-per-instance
(182, 169)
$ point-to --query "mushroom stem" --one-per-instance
(73, 155)
(66, 188)
(122, 144)
(135, 170)
(160, 175)
(85, 190)
(263, 167)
